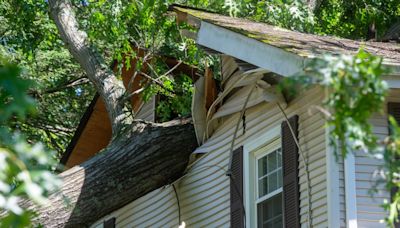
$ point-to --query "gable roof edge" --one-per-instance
(82, 124)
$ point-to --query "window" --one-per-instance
(269, 159)
(263, 181)
(269, 186)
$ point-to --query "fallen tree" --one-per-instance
(141, 156)
(149, 156)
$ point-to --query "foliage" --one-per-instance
(392, 171)
(179, 103)
(290, 14)
(12, 101)
(352, 19)
(29, 39)
(355, 91)
(24, 168)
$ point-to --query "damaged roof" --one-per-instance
(301, 44)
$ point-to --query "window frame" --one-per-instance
(253, 149)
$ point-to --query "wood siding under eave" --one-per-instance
(204, 192)
(97, 132)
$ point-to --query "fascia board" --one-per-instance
(250, 50)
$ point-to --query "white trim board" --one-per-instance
(249, 50)
(393, 81)
(332, 184)
(350, 191)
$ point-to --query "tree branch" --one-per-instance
(72, 83)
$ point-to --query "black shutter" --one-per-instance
(394, 110)
(109, 223)
(236, 189)
(291, 194)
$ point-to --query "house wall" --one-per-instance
(204, 192)
(156, 209)
(198, 189)
(369, 211)
(368, 206)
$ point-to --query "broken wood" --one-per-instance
(210, 92)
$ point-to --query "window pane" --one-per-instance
(263, 187)
(272, 182)
(272, 162)
(269, 173)
(280, 178)
(279, 157)
(269, 212)
(262, 166)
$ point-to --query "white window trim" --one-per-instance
(332, 183)
(249, 148)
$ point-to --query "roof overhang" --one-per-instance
(261, 54)
(265, 56)
(249, 50)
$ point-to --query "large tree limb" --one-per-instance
(150, 156)
(106, 83)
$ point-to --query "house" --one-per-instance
(272, 182)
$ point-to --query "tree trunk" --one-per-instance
(149, 157)
(106, 83)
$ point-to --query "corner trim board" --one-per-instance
(350, 191)
(332, 184)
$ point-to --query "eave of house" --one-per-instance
(249, 50)
(278, 50)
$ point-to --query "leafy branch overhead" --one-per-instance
(25, 169)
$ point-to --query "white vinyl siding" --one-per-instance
(369, 210)
(156, 209)
(208, 173)
(204, 192)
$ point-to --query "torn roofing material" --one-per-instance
(301, 44)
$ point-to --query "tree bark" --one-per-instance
(106, 83)
(149, 157)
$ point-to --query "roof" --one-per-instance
(300, 44)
